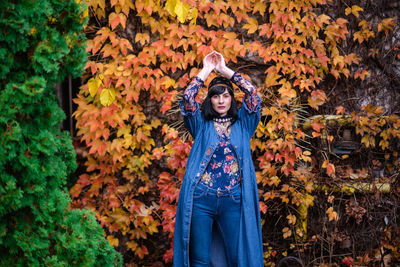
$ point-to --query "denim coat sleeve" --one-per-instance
(193, 120)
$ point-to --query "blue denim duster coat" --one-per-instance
(250, 252)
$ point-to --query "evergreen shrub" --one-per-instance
(41, 43)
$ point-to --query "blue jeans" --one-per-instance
(223, 207)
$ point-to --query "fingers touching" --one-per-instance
(214, 60)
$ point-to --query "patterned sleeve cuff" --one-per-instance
(185, 111)
(243, 84)
(188, 103)
(255, 106)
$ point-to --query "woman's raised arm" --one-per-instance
(189, 102)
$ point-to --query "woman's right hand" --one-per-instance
(209, 61)
(208, 66)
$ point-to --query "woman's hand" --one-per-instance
(209, 61)
(219, 62)
(221, 67)
(208, 66)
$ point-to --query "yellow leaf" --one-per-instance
(152, 228)
(291, 219)
(142, 38)
(323, 19)
(384, 144)
(168, 82)
(353, 10)
(271, 79)
(274, 181)
(309, 187)
(365, 140)
(192, 16)
(113, 240)
(181, 11)
(132, 245)
(155, 123)
(252, 26)
(230, 35)
(287, 91)
(260, 6)
(332, 214)
(286, 232)
(386, 25)
(308, 200)
(170, 6)
(107, 96)
(93, 85)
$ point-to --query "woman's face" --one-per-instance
(221, 103)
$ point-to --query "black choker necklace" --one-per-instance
(222, 119)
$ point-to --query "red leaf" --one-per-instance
(317, 126)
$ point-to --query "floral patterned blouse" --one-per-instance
(222, 171)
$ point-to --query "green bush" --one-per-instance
(41, 43)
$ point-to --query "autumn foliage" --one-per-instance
(143, 53)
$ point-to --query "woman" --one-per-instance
(218, 219)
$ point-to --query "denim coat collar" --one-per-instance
(205, 141)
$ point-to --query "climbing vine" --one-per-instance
(142, 54)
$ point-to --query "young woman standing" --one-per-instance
(218, 218)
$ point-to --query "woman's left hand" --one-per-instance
(219, 62)
(221, 67)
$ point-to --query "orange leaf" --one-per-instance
(142, 38)
(332, 214)
(315, 134)
(318, 97)
(263, 207)
(113, 240)
(317, 126)
(361, 74)
(287, 91)
(386, 25)
(116, 19)
(286, 232)
(141, 251)
(330, 168)
(353, 10)
(340, 110)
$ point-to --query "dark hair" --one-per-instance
(216, 87)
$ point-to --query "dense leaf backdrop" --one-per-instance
(308, 59)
